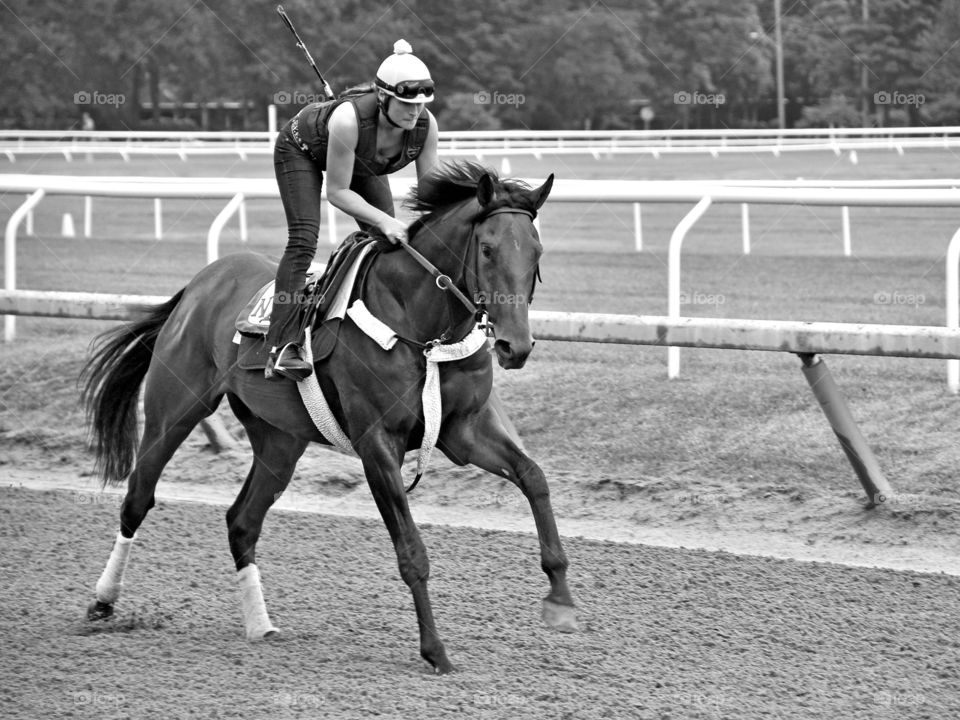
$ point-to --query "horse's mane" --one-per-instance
(453, 183)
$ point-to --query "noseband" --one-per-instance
(444, 282)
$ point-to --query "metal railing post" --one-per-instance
(673, 275)
(213, 236)
(10, 256)
(953, 306)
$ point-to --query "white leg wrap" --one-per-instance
(111, 581)
(255, 618)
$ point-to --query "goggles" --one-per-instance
(410, 89)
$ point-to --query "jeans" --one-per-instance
(300, 179)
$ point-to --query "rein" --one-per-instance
(443, 281)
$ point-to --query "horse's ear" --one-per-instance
(539, 195)
(485, 190)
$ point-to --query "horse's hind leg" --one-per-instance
(275, 455)
(171, 412)
(486, 443)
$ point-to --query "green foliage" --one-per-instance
(835, 111)
(569, 64)
(941, 58)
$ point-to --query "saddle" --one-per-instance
(321, 291)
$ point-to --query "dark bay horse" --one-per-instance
(475, 228)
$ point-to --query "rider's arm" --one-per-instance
(427, 160)
(342, 136)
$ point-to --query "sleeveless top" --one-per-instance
(308, 129)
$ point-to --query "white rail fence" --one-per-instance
(236, 191)
(194, 187)
(807, 340)
(827, 338)
(72, 143)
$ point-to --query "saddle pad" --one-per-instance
(253, 351)
(254, 319)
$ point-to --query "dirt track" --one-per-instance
(666, 633)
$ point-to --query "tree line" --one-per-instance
(569, 64)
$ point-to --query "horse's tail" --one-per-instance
(110, 384)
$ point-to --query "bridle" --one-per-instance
(477, 310)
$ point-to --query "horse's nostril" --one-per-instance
(503, 346)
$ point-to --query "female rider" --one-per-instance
(357, 140)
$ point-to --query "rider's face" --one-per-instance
(404, 114)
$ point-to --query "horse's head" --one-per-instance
(480, 234)
(507, 248)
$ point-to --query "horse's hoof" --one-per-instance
(437, 657)
(444, 667)
(99, 611)
(560, 617)
(262, 635)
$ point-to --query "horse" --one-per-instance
(477, 231)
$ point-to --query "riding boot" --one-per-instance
(286, 355)
(288, 363)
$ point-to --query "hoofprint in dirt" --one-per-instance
(673, 633)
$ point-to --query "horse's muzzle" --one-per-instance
(512, 356)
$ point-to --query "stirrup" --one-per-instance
(271, 361)
(289, 363)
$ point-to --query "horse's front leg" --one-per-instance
(484, 439)
(381, 464)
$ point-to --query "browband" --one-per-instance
(508, 209)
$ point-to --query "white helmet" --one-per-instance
(404, 76)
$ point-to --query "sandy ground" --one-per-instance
(665, 633)
(687, 607)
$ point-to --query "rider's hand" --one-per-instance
(394, 230)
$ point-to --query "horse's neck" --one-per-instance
(445, 242)
(404, 295)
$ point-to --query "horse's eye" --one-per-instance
(486, 250)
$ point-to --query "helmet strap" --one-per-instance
(384, 107)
